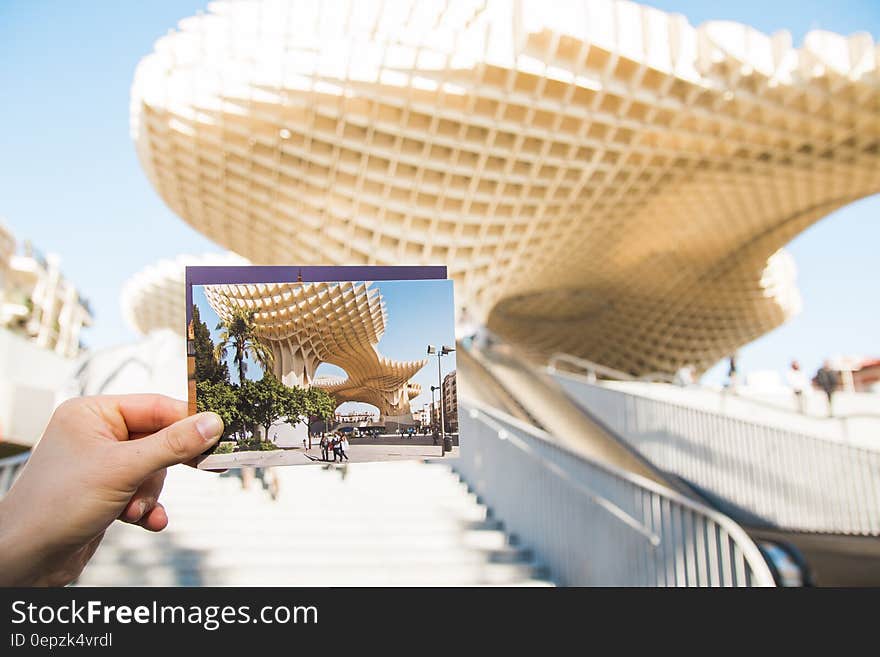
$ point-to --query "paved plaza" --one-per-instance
(299, 456)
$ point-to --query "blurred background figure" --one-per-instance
(684, 377)
(797, 380)
(827, 380)
(731, 373)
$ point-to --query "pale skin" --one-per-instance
(100, 459)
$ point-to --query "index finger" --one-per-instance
(148, 413)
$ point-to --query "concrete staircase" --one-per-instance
(375, 524)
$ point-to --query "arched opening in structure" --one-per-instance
(327, 374)
(358, 418)
(834, 276)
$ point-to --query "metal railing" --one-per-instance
(9, 469)
(593, 525)
(774, 477)
(595, 370)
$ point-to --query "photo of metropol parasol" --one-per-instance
(341, 323)
(605, 179)
(303, 324)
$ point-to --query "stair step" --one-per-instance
(322, 575)
(313, 559)
(402, 523)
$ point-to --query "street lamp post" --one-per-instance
(433, 429)
(442, 351)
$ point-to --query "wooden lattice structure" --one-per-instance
(155, 297)
(306, 324)
(601, 178)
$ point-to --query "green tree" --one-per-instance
(321, 403)
(239, 333)
(265, 401)
(295, 404)
(302, 404)
(208, 367)
(224, 399)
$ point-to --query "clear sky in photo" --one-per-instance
(419, 313)
(70, 181)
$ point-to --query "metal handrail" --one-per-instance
(594, 368)
(592, 495)
(793, 480)
(637, 480)
(656, 496)
(719, 414)
(782, 409)
(609, 372)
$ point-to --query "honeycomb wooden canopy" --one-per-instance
(306, 324)
(601, 177)
(155, 297)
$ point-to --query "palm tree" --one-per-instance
(239, 332)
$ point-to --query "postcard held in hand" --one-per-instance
(323, 364)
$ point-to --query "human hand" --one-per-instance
(100, 458)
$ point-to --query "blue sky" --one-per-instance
(70, 181)
(419, 313)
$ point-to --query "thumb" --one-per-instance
(177, 443)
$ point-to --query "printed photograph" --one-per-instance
(325, 372)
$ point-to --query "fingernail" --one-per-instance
(209, 426)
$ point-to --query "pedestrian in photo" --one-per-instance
(337, 447)
(826, 379)
(797, 380)
(343, 448)
(325, 444)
